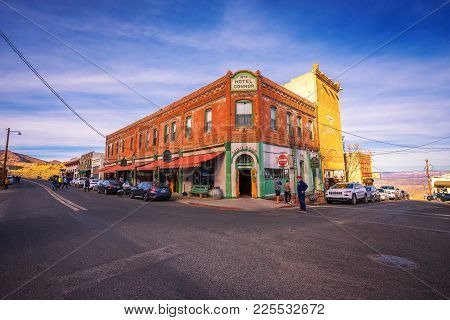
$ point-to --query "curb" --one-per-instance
(213, 206)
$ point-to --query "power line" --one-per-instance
(47, 84)
(81, 54)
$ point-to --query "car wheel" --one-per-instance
(131, 195)
(105, 192)
(354, 200)
(145, 197)
(366, 200)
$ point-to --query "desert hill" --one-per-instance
(15, 158)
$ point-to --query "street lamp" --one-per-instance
(8, 132)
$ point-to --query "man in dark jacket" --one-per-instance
(301, 191)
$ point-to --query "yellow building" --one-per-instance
(318, 88)
(359, 167)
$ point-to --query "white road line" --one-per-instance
(93, 276)
(59, 198)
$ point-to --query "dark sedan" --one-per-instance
(373, 194)
(108, 186)
(150, 191)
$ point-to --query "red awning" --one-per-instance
(191, 161)
(151, 166)
(132, 166)
(111, 169)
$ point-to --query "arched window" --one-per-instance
(188, 128)
(166, 133)
(299, 127)
(173, 131)
(208, 120)
(288, 124)
(244, 113)
(244, 159)
(273, 118)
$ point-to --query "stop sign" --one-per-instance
(283, 160)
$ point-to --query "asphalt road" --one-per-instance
(120, 248)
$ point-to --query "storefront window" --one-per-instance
(273, 118)
(270, 174)
(188, 127)
(244, 114)
(208, 121)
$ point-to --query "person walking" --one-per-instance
(87, 184)
(301, 190)
(277, 187)
(59, 182)
(54, 182)
(287, 192)
(6, 183)
(65, 183)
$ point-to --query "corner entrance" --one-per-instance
(245, 183)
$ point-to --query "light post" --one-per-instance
(8, 131)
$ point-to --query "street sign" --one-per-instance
(283, 160)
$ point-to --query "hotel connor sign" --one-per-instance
(243, 81)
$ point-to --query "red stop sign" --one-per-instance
(283, 160)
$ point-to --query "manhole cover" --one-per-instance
(392, 261)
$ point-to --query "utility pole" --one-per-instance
(5, 158)
(427, 168)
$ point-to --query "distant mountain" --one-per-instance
(14, 158)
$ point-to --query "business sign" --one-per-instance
(315, 163)
(283, 160)
(244, 81)
(167, 156)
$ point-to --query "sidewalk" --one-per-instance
(241, 204)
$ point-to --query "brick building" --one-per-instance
(237, 133)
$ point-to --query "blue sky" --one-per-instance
(168, 49)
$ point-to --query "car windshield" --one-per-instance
(343, 186)
(388, 187)
(368, 188)
(94, 180)
(381, 190)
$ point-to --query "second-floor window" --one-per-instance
(244, 114)
(288, 124)
(122, 145)
(147, 139)
(117, 148)
(155, 136)
(166, 133)
(188, 127)
(273, 118)
(140, 140)
(208, 120)
(299, 127)
(310, 127)
(131, 143)
(173, 130)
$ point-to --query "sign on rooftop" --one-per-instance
(244, 81)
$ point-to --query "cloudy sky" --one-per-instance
(400, 94)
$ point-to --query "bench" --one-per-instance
(200, 190)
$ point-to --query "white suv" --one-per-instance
(392, 192)
(346, 191)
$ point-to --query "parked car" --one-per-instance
(11, 179)
(151, 191)
(392, 192)
(109, 186)
(383, 194)
(373, 194)
(346, 192)
(404, 194)
(93, 183)
(126, 189)
(443, 197)
(95, 187)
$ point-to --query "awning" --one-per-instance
(110, 169)
(190, 161)
(83, 171)
(150, 166)
(132, 166)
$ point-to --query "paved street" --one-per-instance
(169, 250)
